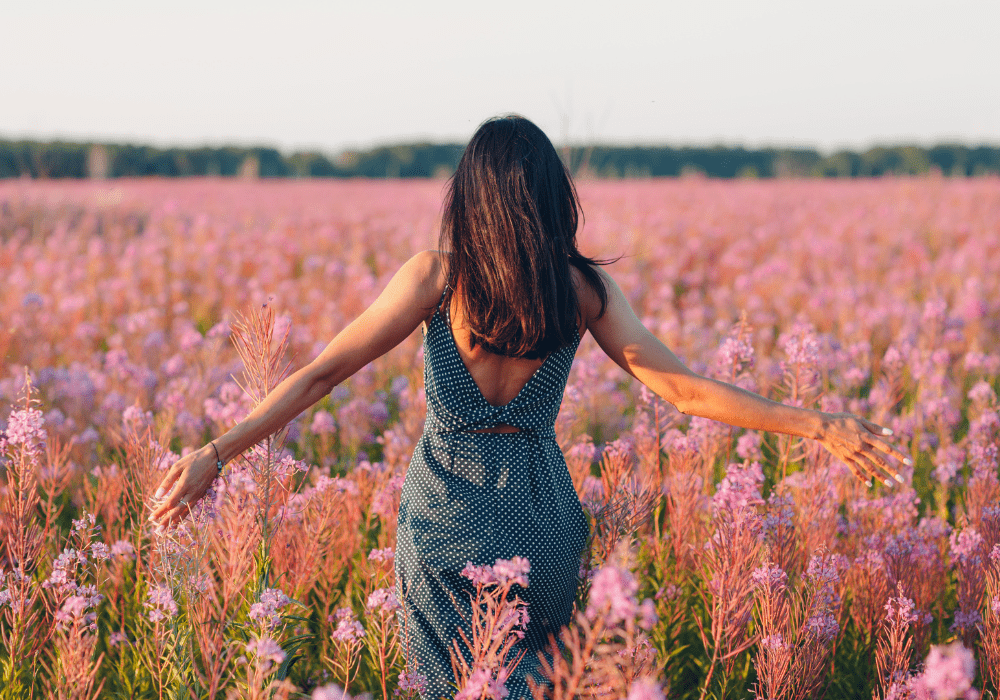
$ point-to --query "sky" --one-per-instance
(338, 74)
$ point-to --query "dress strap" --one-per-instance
(444, 293)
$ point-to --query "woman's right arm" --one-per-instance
(407, 300)
(855, 441)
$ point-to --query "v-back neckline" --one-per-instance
(479, 392)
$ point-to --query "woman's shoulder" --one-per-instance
(428, 274)
(428, 268)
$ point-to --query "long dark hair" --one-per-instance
(510, 219)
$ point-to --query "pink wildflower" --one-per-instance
(160, 603)
(645, 688)
(266, 651)
(348, 628)
(123, 549)
(965, 545)
(411, 682)
(948, 673)
(266, 611)
(382, 555)
(740, 488)
(330, 692)
(323, 423)
(382, 599)
(612, 592)
(481, 684)
(512, 570)
(647, 614)
(900, 609)
(24, 427)
(100, 551)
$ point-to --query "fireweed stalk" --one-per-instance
(380, 634)
(264, 367)
(483, 662)
(990, 630)
(797, 628)
(605, 652)
(895, 645)
(22, 447)
(727, 560)
(77, 576)
(620, 504)
(207, 560)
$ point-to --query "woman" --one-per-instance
(503, 311)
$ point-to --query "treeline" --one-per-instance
(34, 159)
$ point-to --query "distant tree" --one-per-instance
(76, 160)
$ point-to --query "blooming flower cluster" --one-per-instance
(382, 600)
(160, 603)
(503, 571)
(265, 611)
(348, 628)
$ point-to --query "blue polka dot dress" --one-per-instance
(480, 497)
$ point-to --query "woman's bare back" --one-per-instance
(499, 379)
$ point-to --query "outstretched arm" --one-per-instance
(407, 300)
(857, 442)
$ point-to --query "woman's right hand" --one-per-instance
(862, 446)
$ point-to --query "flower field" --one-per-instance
(140, 318)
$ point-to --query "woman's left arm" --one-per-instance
(857, 442)
(406, 301)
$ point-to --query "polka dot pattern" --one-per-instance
(480, 497)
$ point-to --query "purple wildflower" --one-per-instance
(382, 555)
(770, 576)
(382, 599)
(900, 609)
(123, 549)
(266, 650)
(411, 682)
(160, 603)
(966, 620)
(348, 628)
(323, 423)
(824, 627)
(266, 611)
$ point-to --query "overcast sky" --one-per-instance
(335, 74)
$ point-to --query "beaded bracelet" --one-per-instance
(218, 460)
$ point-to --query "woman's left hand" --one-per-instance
(862, 446)
(184, 484)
